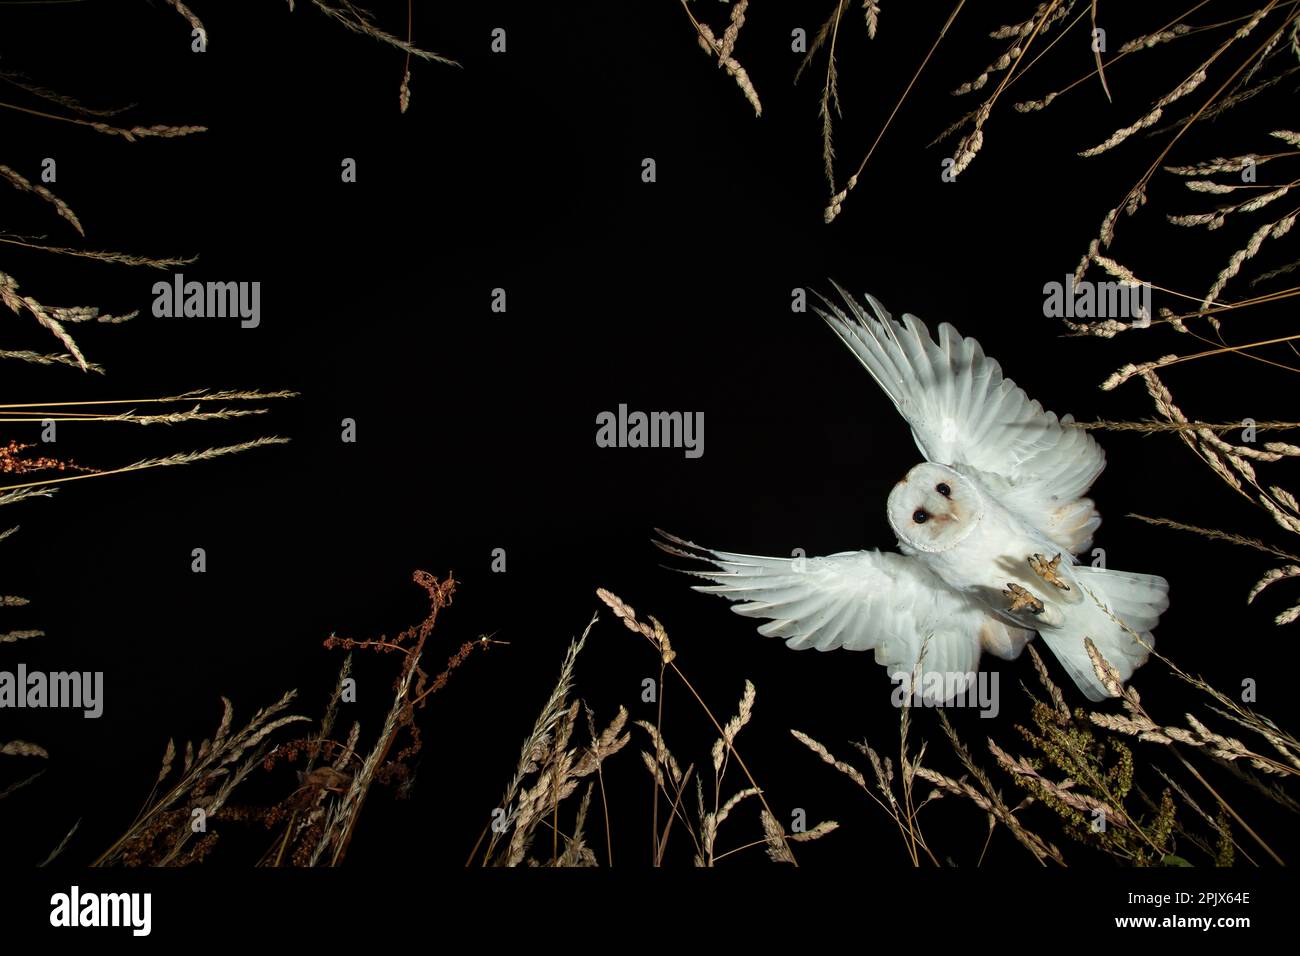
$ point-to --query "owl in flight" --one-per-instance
(988, 529)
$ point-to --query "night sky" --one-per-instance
(476, 429)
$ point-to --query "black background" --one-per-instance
(476, 429)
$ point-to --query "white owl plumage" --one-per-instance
(1000, 493)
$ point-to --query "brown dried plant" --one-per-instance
(722, 48)
(548, 772)
(207, 777)
(161, 833)
(671, 781)
(1235, 464)
(412, 688)
(57, 320)
(314, 821)
(41, 474)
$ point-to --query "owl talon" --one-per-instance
(1047, 570)
(1022, 598)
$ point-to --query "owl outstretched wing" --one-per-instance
(963, 412)
(859, 600)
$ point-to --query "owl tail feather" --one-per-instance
(1118, 611)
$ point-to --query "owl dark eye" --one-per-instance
(920, 516)
(943, 489)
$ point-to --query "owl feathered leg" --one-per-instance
(1047, 570)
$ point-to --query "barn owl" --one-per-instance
(988, 527)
